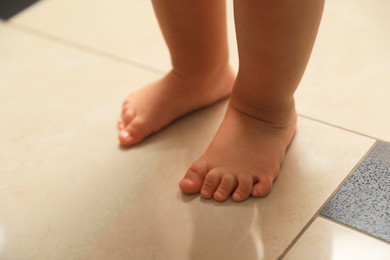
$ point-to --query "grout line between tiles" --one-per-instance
(348, 176)
(340, 127)
(318, 212)
(80, 47)
(353, 228)
(294, 241)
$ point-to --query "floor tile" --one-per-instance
(346, 83)
(363, 202)
(112, 27)
(122, 28)
(67, 190)
(327, 240)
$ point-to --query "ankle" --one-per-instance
(276, 115)
(202, 71)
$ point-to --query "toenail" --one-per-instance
(219, 195)
(125, 134)
(205, 193)
(187, 181)
(237, 196)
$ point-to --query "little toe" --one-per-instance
(225, 188)
(120, 125)
(127, 116)
(210, 184)
(193, 180)
(262, 188)
(245, 185)
(125, 105)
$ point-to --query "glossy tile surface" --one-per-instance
(363, 201)
(121, 28)
(117, 29)
(346, 83)
(326, 240)
(68, 191)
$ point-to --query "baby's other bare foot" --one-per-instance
(243, 159)
(154, 106)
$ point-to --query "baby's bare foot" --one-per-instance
(156, 105)
(243, 159)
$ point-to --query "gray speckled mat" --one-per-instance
(363, 202)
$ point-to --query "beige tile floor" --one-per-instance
(68, 191)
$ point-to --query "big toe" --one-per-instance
(193, 180)
(125, 138)
(133, 133)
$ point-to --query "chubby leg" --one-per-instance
(275, 39)
(195, 32)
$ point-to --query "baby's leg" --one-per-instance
(275, 39)
(195, 32)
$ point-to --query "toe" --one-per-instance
(134, 132)
(125, 105)
(225, 188)
(262, 187)
(210, 184)
(125, 138)
(193, 180)
(127, 116)
(120, 125)
(245, 184)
